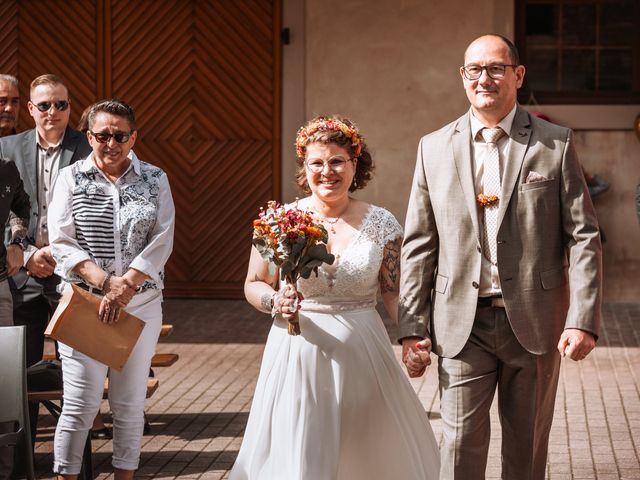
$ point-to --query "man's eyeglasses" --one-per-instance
(61, 105)
(120, 137)
(495, 70)
(337, 165)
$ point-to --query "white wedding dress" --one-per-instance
(333, 403)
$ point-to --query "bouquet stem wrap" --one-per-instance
(293, 327)
(291, 240)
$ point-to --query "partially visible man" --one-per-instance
(12, 198)
(39, 154)
(9, 104)
(501, 268)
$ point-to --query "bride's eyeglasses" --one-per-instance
(337, 165)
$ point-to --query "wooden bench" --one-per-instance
(164, 359)
(42, 396)
(158, 360)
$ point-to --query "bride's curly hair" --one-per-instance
(342, 132)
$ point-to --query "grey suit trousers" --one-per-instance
(526, 383)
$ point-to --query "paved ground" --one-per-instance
(200, 410)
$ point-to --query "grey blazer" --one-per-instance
(21, 149)
(549, 251)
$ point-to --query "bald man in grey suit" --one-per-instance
(499, 283)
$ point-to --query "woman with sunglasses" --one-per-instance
(111, 230)
(333, 402)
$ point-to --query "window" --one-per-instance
(579, 51)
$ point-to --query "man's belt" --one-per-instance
(491, 302)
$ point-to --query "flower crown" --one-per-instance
(328, 124)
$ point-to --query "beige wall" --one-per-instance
(392, 67)
(616, 157)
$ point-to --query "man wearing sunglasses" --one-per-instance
(39, 154)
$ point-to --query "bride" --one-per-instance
(333, 403)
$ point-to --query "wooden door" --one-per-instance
(204, 80)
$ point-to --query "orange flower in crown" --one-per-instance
(328, 124)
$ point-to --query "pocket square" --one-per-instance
(533, 177)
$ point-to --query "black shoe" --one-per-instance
(102, 434)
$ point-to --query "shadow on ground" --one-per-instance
(224, 321)
(235, 321)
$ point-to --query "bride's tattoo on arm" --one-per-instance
(389, 277)
(265, 301)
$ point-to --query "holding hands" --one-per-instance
(41, 264)
(416, 355)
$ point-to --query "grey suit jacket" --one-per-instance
(549, 251)
(21, 149)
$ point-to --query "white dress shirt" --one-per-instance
(47, 167)
(489, 278)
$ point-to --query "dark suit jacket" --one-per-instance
(13, 198)
(549, 252)
(22, 150)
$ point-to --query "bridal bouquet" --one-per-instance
(288, 238)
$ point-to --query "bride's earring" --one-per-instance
(354, 182)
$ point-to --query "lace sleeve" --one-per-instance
(383, 227)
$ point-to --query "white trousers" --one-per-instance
(83, 380)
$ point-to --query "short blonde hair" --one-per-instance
(47, 79)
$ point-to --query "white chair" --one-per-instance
(13, 397)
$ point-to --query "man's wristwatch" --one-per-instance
(21, 242)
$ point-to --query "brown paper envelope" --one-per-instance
(76, 323)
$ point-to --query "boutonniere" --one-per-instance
(486, 200)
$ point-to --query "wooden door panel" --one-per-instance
(59, 37)
(203, 77)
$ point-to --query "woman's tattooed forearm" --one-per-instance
(265, 301)
(390, 270)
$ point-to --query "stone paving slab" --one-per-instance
(200, 410)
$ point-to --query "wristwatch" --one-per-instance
(21, 242)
